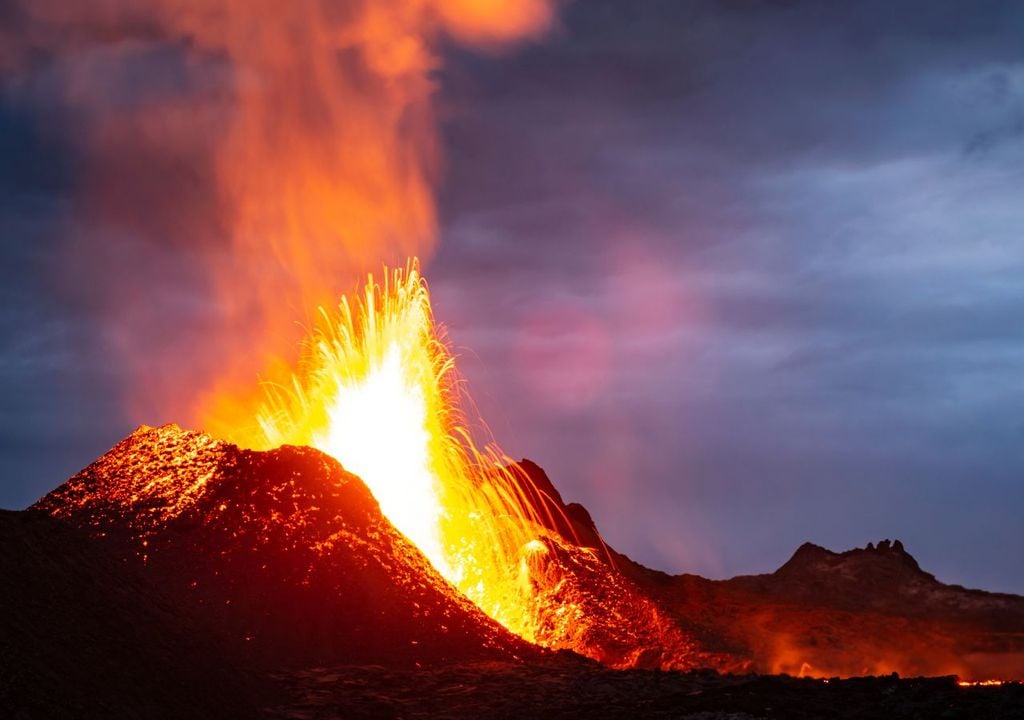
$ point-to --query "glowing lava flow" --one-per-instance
(377, 390)
(980, 683)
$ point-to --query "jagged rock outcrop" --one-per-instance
(587, 604)
(861, 612)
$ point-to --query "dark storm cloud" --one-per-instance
(36, 336)
(96, 220)
(826, 201)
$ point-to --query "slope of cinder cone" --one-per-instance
(84, 635)
(284, 552)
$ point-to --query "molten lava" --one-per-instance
(979, 683)
(378, 390)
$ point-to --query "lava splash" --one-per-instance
(377, 389)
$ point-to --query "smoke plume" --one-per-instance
(239, 164)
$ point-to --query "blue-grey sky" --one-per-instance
(738, 274)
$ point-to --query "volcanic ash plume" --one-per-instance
(331, 158)
(317, 121)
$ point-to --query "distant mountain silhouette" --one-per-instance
(863, 611)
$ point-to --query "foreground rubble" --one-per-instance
(566, 687)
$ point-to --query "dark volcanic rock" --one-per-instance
(841, 579)
(861, 612)
(561, 687)
(83, 635)
(586, 603)
(572, 522)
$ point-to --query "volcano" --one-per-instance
(177, 561)
(283, 552)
